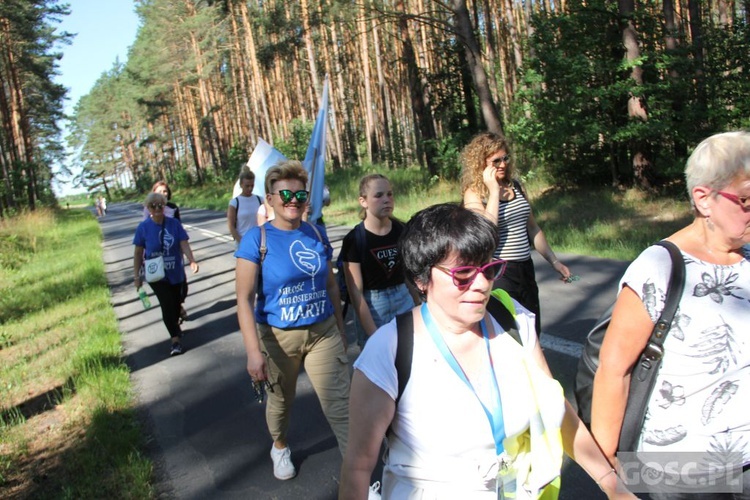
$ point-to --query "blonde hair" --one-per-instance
(285, 170)
(153, 197)
(474, 161)
(718, 160)
(364, 183)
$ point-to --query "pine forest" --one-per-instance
(589, 92)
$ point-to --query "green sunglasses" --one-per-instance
(287, 195)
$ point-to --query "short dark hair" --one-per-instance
(432, 234)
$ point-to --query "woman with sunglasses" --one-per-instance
(699, 403)
(480, 415)
(287, 274)
(161, 235)
(489, 188)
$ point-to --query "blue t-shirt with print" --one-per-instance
(292, 288)
(148, 236)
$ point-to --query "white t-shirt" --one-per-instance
(441, 439)
(700, 399)
(247, 213)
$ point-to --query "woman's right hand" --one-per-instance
(256, 365)
(488, 176)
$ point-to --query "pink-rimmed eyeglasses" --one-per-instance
(742, 201)
(464, 276)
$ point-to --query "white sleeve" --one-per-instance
(378, 359)
(648, 276)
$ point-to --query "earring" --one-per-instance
(709, 223)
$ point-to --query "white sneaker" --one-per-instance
(282, 463)
(373, 493)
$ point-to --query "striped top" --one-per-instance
(512, 218)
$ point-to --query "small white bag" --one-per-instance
(154, 269)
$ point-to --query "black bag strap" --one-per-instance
(503, 316)
(404, 350)
(360, 241)
(260, 202)
(643, 376)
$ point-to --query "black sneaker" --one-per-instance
(176, 349)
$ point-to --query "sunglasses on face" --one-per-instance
(287, 195)
(155, 206)
(502, 159)
(742, 201)
(464, 276)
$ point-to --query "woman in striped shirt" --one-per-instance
(488, 188)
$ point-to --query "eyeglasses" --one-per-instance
(155, 206)
(287, 195)
(502, 159)
(742, 201)
(464, 276)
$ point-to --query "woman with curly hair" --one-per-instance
(488, 188)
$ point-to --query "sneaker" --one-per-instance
(373, 493)
(176, 349)
(282, 463)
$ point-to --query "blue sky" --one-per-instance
(105, 30)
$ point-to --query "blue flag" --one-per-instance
(314, 161)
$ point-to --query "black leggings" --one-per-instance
(169, 296)
(519, 280)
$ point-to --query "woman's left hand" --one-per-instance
(194, 267)
(563, 270)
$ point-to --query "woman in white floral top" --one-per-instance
(699, 402)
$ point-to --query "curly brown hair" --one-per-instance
(474, 161)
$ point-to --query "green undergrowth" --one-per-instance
(67, 424)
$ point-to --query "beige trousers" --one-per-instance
(321, 350)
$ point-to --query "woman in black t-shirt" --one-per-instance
(372, 267)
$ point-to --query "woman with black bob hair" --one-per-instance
(480, 416)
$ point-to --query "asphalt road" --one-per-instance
(207, 435)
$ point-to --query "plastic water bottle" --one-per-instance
(144, 298)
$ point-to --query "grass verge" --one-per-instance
(67, 424)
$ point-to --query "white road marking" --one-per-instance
(561, 345)
(212, 234)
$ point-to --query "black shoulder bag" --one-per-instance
(644, 373)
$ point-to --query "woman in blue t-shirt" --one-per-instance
(284, 268)
(160, 235)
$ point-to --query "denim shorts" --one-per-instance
(384, 305)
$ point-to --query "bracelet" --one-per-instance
(599, 482)
(554, 262)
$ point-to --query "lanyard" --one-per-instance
(495, 417)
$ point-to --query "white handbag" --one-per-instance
(154, 269)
